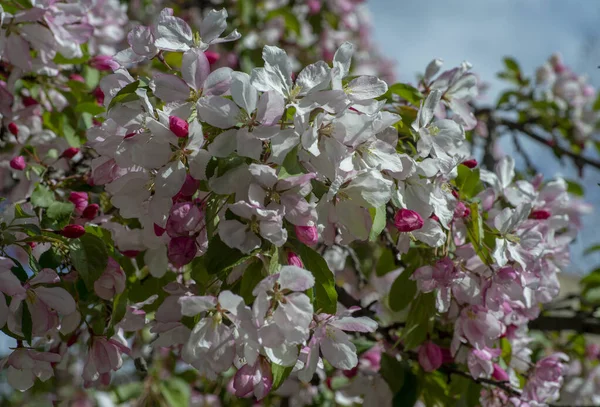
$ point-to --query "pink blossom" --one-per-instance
(480, 363)
(104, 356)
(111, 282)
(478, 326)
(499, 373)
(212, 56)
(80, 200)
(407, 220)
(189, 188)
(13, 128)
(185, 219)
(294, 260)
(256, 379)
(18, 163)
(308, 235)
(104, 63)
(24, 365)
(91, 211)
(430, 356)
(178, 126)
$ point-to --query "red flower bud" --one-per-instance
(130, 253)
(91, 211)
(29, 101)
(407, 220)
(294, 260)
(158, 231)
(72, 231)
(472, 163)
(212, 56)
(99, 95)
(178, 126)
(13, 128)
(70, 152)
(76, 78)
(18, 163)
(499, 373)
(430, 356)
(309, 235)
(540, 214)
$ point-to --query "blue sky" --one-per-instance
(483, 32)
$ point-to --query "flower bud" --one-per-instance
(80, 200)
(472, 163)
(182, 250)
(294, 260)
(461, 210)
(18, 163)
(13, 128)
(540, 214)
(407, 220)
(309, 235)
(99, 95)
(212, 56)
(132, 254)
(76, 78)
(158, 231)
(91, 211)
(103, 63)
(29, 101)
(111, 282)
(73, 231)
(184, 220)
(178, 126)
(189, 187)
(314, 6)
(430, 356)
(70, 152)
(499, 373)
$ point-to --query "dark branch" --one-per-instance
(575, 323)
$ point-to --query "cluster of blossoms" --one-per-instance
(239, 197)
(572, 93)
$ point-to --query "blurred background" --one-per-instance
(412, 33)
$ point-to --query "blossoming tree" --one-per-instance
(200, 212)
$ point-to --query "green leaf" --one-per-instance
(50, 259)
(379, 222)
(89, 257)
(19, 271)
(512, 65)
(402, 292)
(20, 213)
(591, 249)
(280, 373)
(409, 393)
(176, 392)
(274, 265)
(119, 309)
(26, 323)
(385, 263)
(291, 165)
(406, 92)
(61, 60)
(30, 229)
(60, 213)
(91, 76)
(574, 188)
(140, 290)
(418, 323)
(291, 20)
(392, 371)
(468, 182)
(220, 258)
(42, 197)
(506, 350)
(475, 233)
(127, 94)
(89, 107)
(325, 294)
(252, 276)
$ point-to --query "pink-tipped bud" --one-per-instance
(430, 356)
(294, 260)
(540, 214)
(70, 152)
(182, 250)
(309, 235)
(91, 211)
(212, 56)
(76, 78)
(73, 231)
(461, 210)
(158, 231)
(455, 194)
(104, 63)
(407, 220)
(178, 126)
(472, 163)
(499, 374)
(29, 101)
(18, 163)
(80, 200)
(99, 95)
(13, 128)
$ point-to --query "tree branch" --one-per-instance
(575, 323)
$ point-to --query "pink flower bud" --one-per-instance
(185, 219)
(73, 231)
(212, 56)
(91, 211)
(182, 250)
(80, 200)
(592, 351)
(76, 78)
(158, 231)
(104, 63)
(29, 101)
(430, 356)
(461, 210)
(472, 163)
(178, 126)
(294, 260)
(18, 163)
(70, 152)
(130, 253)
(13, 128)
(314, 6)
(309, 235)
(407, 220)
(499, 373)
(99, 95)
(111, 282)
(189, 187)
(540, 214)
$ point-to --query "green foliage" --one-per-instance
(220, 258)
(406, 92)
(58, 214)
(252, 276)
(176, 392)
(378, 218)
(402, 292)
(325, 294)
(42, 197)
(468, 182)
(26, 322)
(127, 94)
(420, 320)
(51, 259)
(89, 256)
(280, 373)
